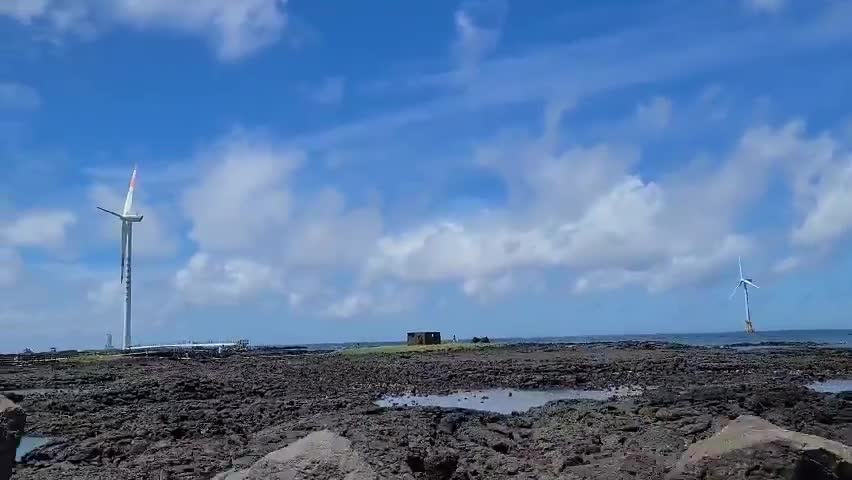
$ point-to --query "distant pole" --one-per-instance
(749, 326)
(127, 288)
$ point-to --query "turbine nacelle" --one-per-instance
(127, 220)
(131, 218)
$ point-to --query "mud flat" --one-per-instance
(175, 419)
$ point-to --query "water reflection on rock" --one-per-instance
(836, 385)
(28, 444)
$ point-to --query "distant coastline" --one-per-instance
(838, 338)
(835, 338)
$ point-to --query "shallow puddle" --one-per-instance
(28, 444)
(832, 386)
(503, 401)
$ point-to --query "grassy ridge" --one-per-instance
(95, 357)
(391, 349)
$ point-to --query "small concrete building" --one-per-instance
(424, 338)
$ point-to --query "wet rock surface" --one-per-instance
(176, 419)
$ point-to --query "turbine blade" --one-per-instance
(740, 263)
(109, 212)
(128, 202)
(750, 283)
(735, 291)
(123, 247)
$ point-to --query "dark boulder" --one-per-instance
(12, 423)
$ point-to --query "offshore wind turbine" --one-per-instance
(128, 217)
(745, 282)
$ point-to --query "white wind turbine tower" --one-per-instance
(128, 218)
(745, 282)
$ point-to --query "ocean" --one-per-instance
(833, 338)
(827, 338)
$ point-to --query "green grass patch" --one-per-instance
(95, 358)
(394, 349)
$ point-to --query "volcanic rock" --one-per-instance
(755, 448)
(12, 422)
(320, 455)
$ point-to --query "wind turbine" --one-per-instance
(745, 282)
(128, 217)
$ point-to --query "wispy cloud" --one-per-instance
(655, 114)
(207, 281)
(235, 28)
(243, 194)
(10, 266)
(330, 92)
(765, 6)
(158, 174)
(18, 96)
(479, 24)
(44, 229)
(611, 62)
(385, 299)
(787, 264)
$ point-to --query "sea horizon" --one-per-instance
(836, 337)
(841, 338)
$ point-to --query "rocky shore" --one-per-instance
(196, 418)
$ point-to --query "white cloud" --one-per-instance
(788, 264)
(486, 289)
(243, 202)
(655, 114)
(330, 91)
(41, 229)
(699, 268)
(244, 213)
(155, 236)
(632, 226)
(819, 173)
(478, 26)
(830, 217)
(324, 233)
(385, 299)
(765, 6)
(586, 210)
(106, 295)
(207, 280)
(243, 197)
(24, 10)
(19, 97)
(10, 266)
(236, 28)
(351, 305)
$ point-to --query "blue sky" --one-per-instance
(313, 171)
